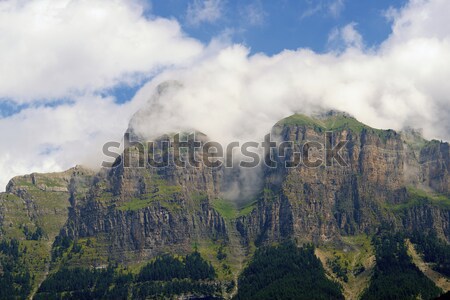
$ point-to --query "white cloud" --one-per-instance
(254, 13)
(56, 48)
(336, 7)
(331, 8)
(48, 139)
(204, 11)
(421, 19)
(345, 37)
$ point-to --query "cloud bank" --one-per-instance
(237, 96)
(226, 92)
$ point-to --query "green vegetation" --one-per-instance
(199, 197)
(333, 123)
(15, 278)
(286, 272)
(358, 248)
(395, 276)
(33, 226)
(350, 262)
(136, 204)
(340, 267)
(417, 197)
(160, 191)
(92, 251)
(302, 120)
(166, 276)
(166, 267)
(229, 210)
(225, 208)
(247, 208)
(434, 250)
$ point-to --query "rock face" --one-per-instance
(135, 213)
(146, 212)
(321, 203)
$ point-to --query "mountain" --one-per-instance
(109, 226)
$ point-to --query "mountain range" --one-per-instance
(215, 232)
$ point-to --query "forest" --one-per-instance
(395, 276)
(434, 250)
(15, 279)
(165, 276)
(286, 272)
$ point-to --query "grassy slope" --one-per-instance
(356, 251)
(162, 192)
(418, 197)
(47, 210)
(332, 123)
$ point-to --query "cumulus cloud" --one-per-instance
(204, 11)
(52, 49)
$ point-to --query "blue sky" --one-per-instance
(286, 24)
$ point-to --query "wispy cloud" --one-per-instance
(331, 8)
(345, 37)
(254, 13)
(204, 11)
(336, 7)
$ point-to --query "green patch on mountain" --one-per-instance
(350, 262)
(247, 208)
(348, 259)
(230, 210)
(303, 120)
(136, 204)
(225, 208)
(158, 191)
(418, 197)
(334, 122)
(218, 253)
(91, 251)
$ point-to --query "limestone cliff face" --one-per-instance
(143, 212)
(319, 204)
(434, 160)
